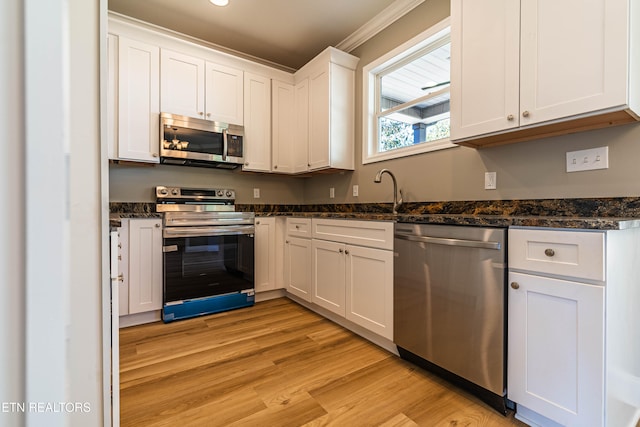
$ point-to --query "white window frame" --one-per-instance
(370, 146)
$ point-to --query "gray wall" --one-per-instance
(534, 169)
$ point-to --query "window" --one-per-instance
(406, 98)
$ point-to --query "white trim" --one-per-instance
(391, 14)
(370, 153)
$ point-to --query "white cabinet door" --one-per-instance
(297, 267)
(265, 254)
(145, 265)
(301, 126)
(283, 114)
(182, 84)
(329, 275)
(224, 97)
(369, 298)
(485, 66)
(138, 101)
(123, 268)
(556, 348)
(573, 57)
(319, 123)
(257, 123)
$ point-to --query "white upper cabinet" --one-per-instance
(257, 123)
(541, 68)
(138, 104)
(283, 132)
(330, 86)
(301, 127)
(193, 87)
(182, 84)
(224, 98)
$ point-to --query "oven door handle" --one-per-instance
(227, 230)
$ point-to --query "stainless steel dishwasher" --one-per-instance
(450, 304)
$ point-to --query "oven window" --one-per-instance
(207, 266)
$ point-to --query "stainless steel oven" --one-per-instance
(208, 252)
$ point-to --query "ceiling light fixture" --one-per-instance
(220, 2)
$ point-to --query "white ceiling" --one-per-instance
(284, 32)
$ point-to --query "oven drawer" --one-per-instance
(299, 227)
(577, 254)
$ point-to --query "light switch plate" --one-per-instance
(591, 159)
(355, 190)
(490, 181)
(256, 193)
(332, 193)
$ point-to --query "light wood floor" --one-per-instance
(279, 364)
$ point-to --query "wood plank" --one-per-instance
(278, 363)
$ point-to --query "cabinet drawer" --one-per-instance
(374, 234)
(299, 227)
(565, 253)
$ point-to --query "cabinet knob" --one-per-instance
(246, 164)
(308, 164)
(549, 252)
(340, 250)
(201, 113)
(510, 117)
(525, 113)
(257, 222)
(275, 166)
(208, 114)
(154, 154)
(297, 227)
(346, 252)
(286, 241)
(157, 225)
(515, 285)
(121, 277)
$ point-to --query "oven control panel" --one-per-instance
(195, 194)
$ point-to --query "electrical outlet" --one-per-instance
(584, 160)
(332, 193)
(355, 191)
(256, 193)
(490, 181)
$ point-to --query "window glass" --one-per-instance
(408, 96)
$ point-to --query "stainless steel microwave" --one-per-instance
(196, 142)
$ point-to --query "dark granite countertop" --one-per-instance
(591, 214)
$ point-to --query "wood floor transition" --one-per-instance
(279, 364)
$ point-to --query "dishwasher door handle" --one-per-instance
(449, 241)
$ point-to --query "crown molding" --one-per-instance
(388, 16)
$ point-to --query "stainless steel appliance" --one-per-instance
(208, 252)
(450, 304)
(196, 142)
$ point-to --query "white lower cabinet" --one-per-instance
(573, 356)
(329, 275)
(556, 348)
(354, 281)
(265, 254)
(297, 267)
(141, 265)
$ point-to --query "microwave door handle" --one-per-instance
(225, 145)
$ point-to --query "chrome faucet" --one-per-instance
(396, 202)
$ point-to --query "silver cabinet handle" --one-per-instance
(525, 114)
(549, 252)
(515, 285)
(449, 242)
(201, 113)
(208, 114)
(154, 155)
(157, 225)
(510, 117)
